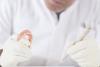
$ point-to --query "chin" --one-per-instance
(57, 10)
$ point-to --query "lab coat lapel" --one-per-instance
(57, 43)
(51, 16)
(45, 18)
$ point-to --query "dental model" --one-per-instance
(25, 38)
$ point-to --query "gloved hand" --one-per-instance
(86, 53)
(14, 52)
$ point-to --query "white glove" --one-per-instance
(86, 53)
(13, 53)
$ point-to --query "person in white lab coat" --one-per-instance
(57, 26)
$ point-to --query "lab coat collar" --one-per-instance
(52, 15)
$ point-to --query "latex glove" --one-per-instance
(86, 53)
(14, 52)
(34, 61)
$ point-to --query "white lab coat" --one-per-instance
(50, 37)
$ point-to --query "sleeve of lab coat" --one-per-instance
(94, 21)
(5, 21)
(97, 23)
(8, 9)
(97, 26)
